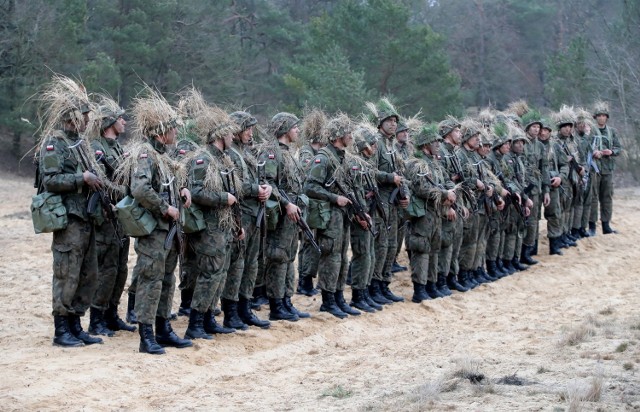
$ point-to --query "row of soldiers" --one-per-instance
(231, 208)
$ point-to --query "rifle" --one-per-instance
(261, 219)
(454, 206)
(485, 199)
(230, 186)
(573, 163)
(399, 192)
(377, 200)
(356, 207)
(302, 224)
(97, 195)
(455, 164)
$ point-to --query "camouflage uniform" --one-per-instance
(515, 175)
(451, 237)
(308, 256)
(605, 138)
(538, 176)
(405, 151)
(574, 185)
(558, 167)
(75, 266)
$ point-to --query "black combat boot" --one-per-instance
(584, 233)
(76, 329)
(508, 266)
(442, 285)
(376, 293)
(570, 236)
(463, 279)
(359, 300)
(349, 276)
(62, 335)
(148, 342)
(517, 265)
(419, 293)
(386, 292)
(165, 335)
(231, 318)
(592, 228)
(97, 324)
(131, 313)
(397, 267)
(452, 282)
(114, 322)
(568, 240)
(212, 327)
(534, 250)
(485, 275)
(492, 270)
(248, 317)
(186, 295)
(470, 278)
(370, 300)
(607, 229)
(277, 311)
(554, 246)
(432, 290)
(525, 255)
(342, 304)
(288, 305)
(501, 267)
(329, 305)
(305, 286)
(575, 233)
(195, 329)
(259, 297)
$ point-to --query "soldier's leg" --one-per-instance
(392, 244)
(123, 271)
(278, 254)
(251, 258)
(586, 208)
(469, 243)
(458, 226)
(553, 215)
(382, 243)
(532, 223)
(483, 235)
(596, 183)
(360, 261)
(150, 271)
(188, 275)
(402, 234)
(308, 261)
(330, 242)
(107, 251)
(606, 197)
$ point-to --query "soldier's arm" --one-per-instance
(271, 175)
(142, 188)
(55, 178)
(199, 193)
(616, 147)
(314, 185)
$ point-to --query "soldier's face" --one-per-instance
(518, 146)
(389, 126)
(402, 136)
(566, 130)
(169, 137)
(473, 142)
(434, 148)
(534, 130)
(246, 135)
(505, 148)
(119, 125)
(484, 150)
(544, 134)
(228, 140)
(456, 136)
(602, 119)
(293, 134)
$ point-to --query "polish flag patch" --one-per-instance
(49, 147)
(126, 154)
(199, 161)
(317, 160)
(182, 151)
(272, 156)
(355, 168)
(99, 153)
(143, 156)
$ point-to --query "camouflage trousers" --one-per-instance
(496, 233)
(514, 233)
(386, 246)
(567, 200)
(423, 243)
(252, 258)
(363, 254)
(282, 246)
(189, 270)
(602, 194)
(587, 202)
(469, 244)
(238, 259)
(213, 248)
(155, 272)
(75, 268)
(308, 259)
(534, 221)
(403, 224)
(334, 243)
(451, 240)
(112, 267)
(483, 237)
(553, 214)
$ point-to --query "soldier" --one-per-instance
(284, 174)
(452, 227)
(606, 147)
(403, 147)
(112, 245)
(243, 269)
(308, 257)
(558, 168)
(585, 138)
(389, 177)
(155, 184)
(64, 164)
(433, 197)
(538, 180)
(363, 240)
(329, 182)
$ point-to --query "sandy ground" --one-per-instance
(563, 335)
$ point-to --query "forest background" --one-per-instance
(436, 57)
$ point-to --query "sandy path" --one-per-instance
(408, 357)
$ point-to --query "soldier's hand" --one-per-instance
(397, 179)
(500, 205)
(489, 191)
(451, 215)
(555, 181)
(582, 171)
(505, 192)
(91, 180)
(607, 152)
(173, 213)
(369, 195)
(231, 199)
(479, 184)
(455, 177)
(451, 197)
(527, 212)
(264, 192)
(293, 212)
(404, 203)
(186, 196)
(546, 199)
(363, 223)
(343, 201)
(519, 198)
(242, 234)
(529, 203)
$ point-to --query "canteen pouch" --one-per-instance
(136, 220)
(319, 214)
(48, 213)
(193, 219)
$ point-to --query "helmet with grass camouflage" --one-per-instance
(601, 108)
(282, 122)
(530, 118)
(109, 115)
(447, 126)
(244, 120)
(502, 135)
(427, 135)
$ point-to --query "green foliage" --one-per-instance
(568, 75)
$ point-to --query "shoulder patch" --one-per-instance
(143, 155)
(99, 153)
(49, 147)
(308, 161)
(272, 156)
(126, 154)
(199, 161)
(355, 168)
(182, 151)
(318, 160)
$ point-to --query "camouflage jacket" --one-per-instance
(209, 200)
(246, 166)
(606, 138)
(537, 166)
(387, 162)
(429, 181)
(282, 171)
(327, 168)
